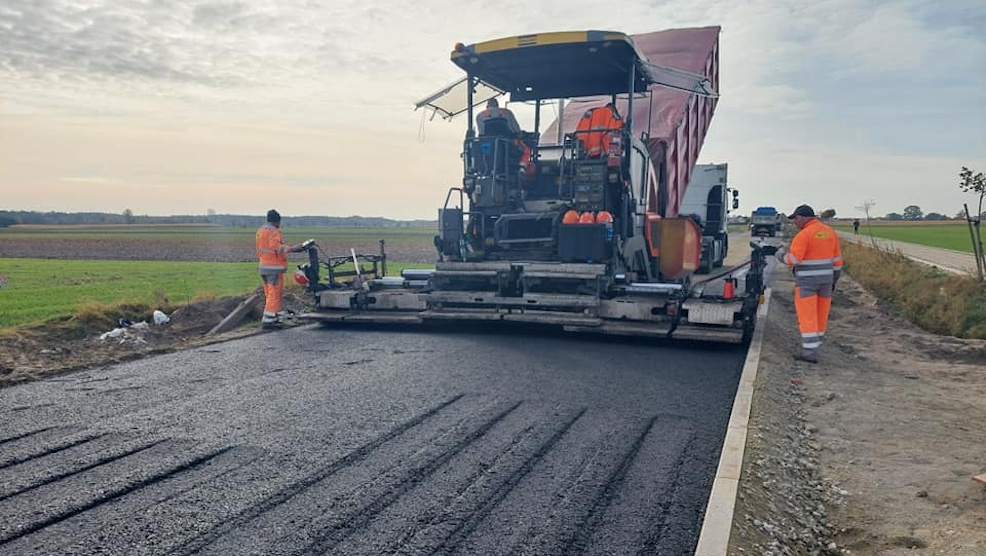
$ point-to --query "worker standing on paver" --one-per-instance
(273, 255)
(816, 259)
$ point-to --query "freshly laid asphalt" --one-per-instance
(370, 441)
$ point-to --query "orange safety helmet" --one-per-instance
(604, 217)
(571, 217)
(300, 277)
(587, 218)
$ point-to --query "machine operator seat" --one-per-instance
(497, 127)
(514, 151)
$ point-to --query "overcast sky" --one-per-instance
(181, 106)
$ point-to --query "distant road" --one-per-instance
(948, 260)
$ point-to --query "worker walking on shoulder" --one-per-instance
(273, 255)
(816, 259)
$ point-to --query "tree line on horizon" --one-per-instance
(12, 218)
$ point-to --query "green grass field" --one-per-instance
(946, 235)
(222, 236)
(38, 289)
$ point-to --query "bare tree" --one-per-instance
(866, 207)
(975, 182)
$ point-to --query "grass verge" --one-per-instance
(953, 236)
(41, 290)
(936, 301)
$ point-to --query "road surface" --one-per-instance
(327, 441)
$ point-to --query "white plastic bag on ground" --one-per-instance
(161, 318)
(115, 333)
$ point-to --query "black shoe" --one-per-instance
(799, 357)
(271, 326)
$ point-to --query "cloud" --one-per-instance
(207, 94)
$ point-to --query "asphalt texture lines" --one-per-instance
(371, 441)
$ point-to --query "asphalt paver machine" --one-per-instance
(576, 227)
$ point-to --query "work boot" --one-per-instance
(806, 358)
(286, 314)
(272, 325)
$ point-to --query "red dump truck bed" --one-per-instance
(676, 121)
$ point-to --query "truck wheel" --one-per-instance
(704, 265)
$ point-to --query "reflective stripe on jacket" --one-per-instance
(271, 249)
(815, 255)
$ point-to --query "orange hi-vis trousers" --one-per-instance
(812, 304)
(274, 292)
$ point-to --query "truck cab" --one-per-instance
(765, 222)
(708, 201)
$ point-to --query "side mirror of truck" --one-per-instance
(735, 202)
(735, 193)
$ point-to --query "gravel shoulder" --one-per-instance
(871, 451)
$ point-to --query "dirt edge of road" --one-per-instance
(47, 350)
(871, 451)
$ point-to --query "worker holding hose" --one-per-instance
(273, 255)
(816, 259)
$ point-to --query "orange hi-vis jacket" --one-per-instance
(595, 127)
(271, 249)
(815, 255)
